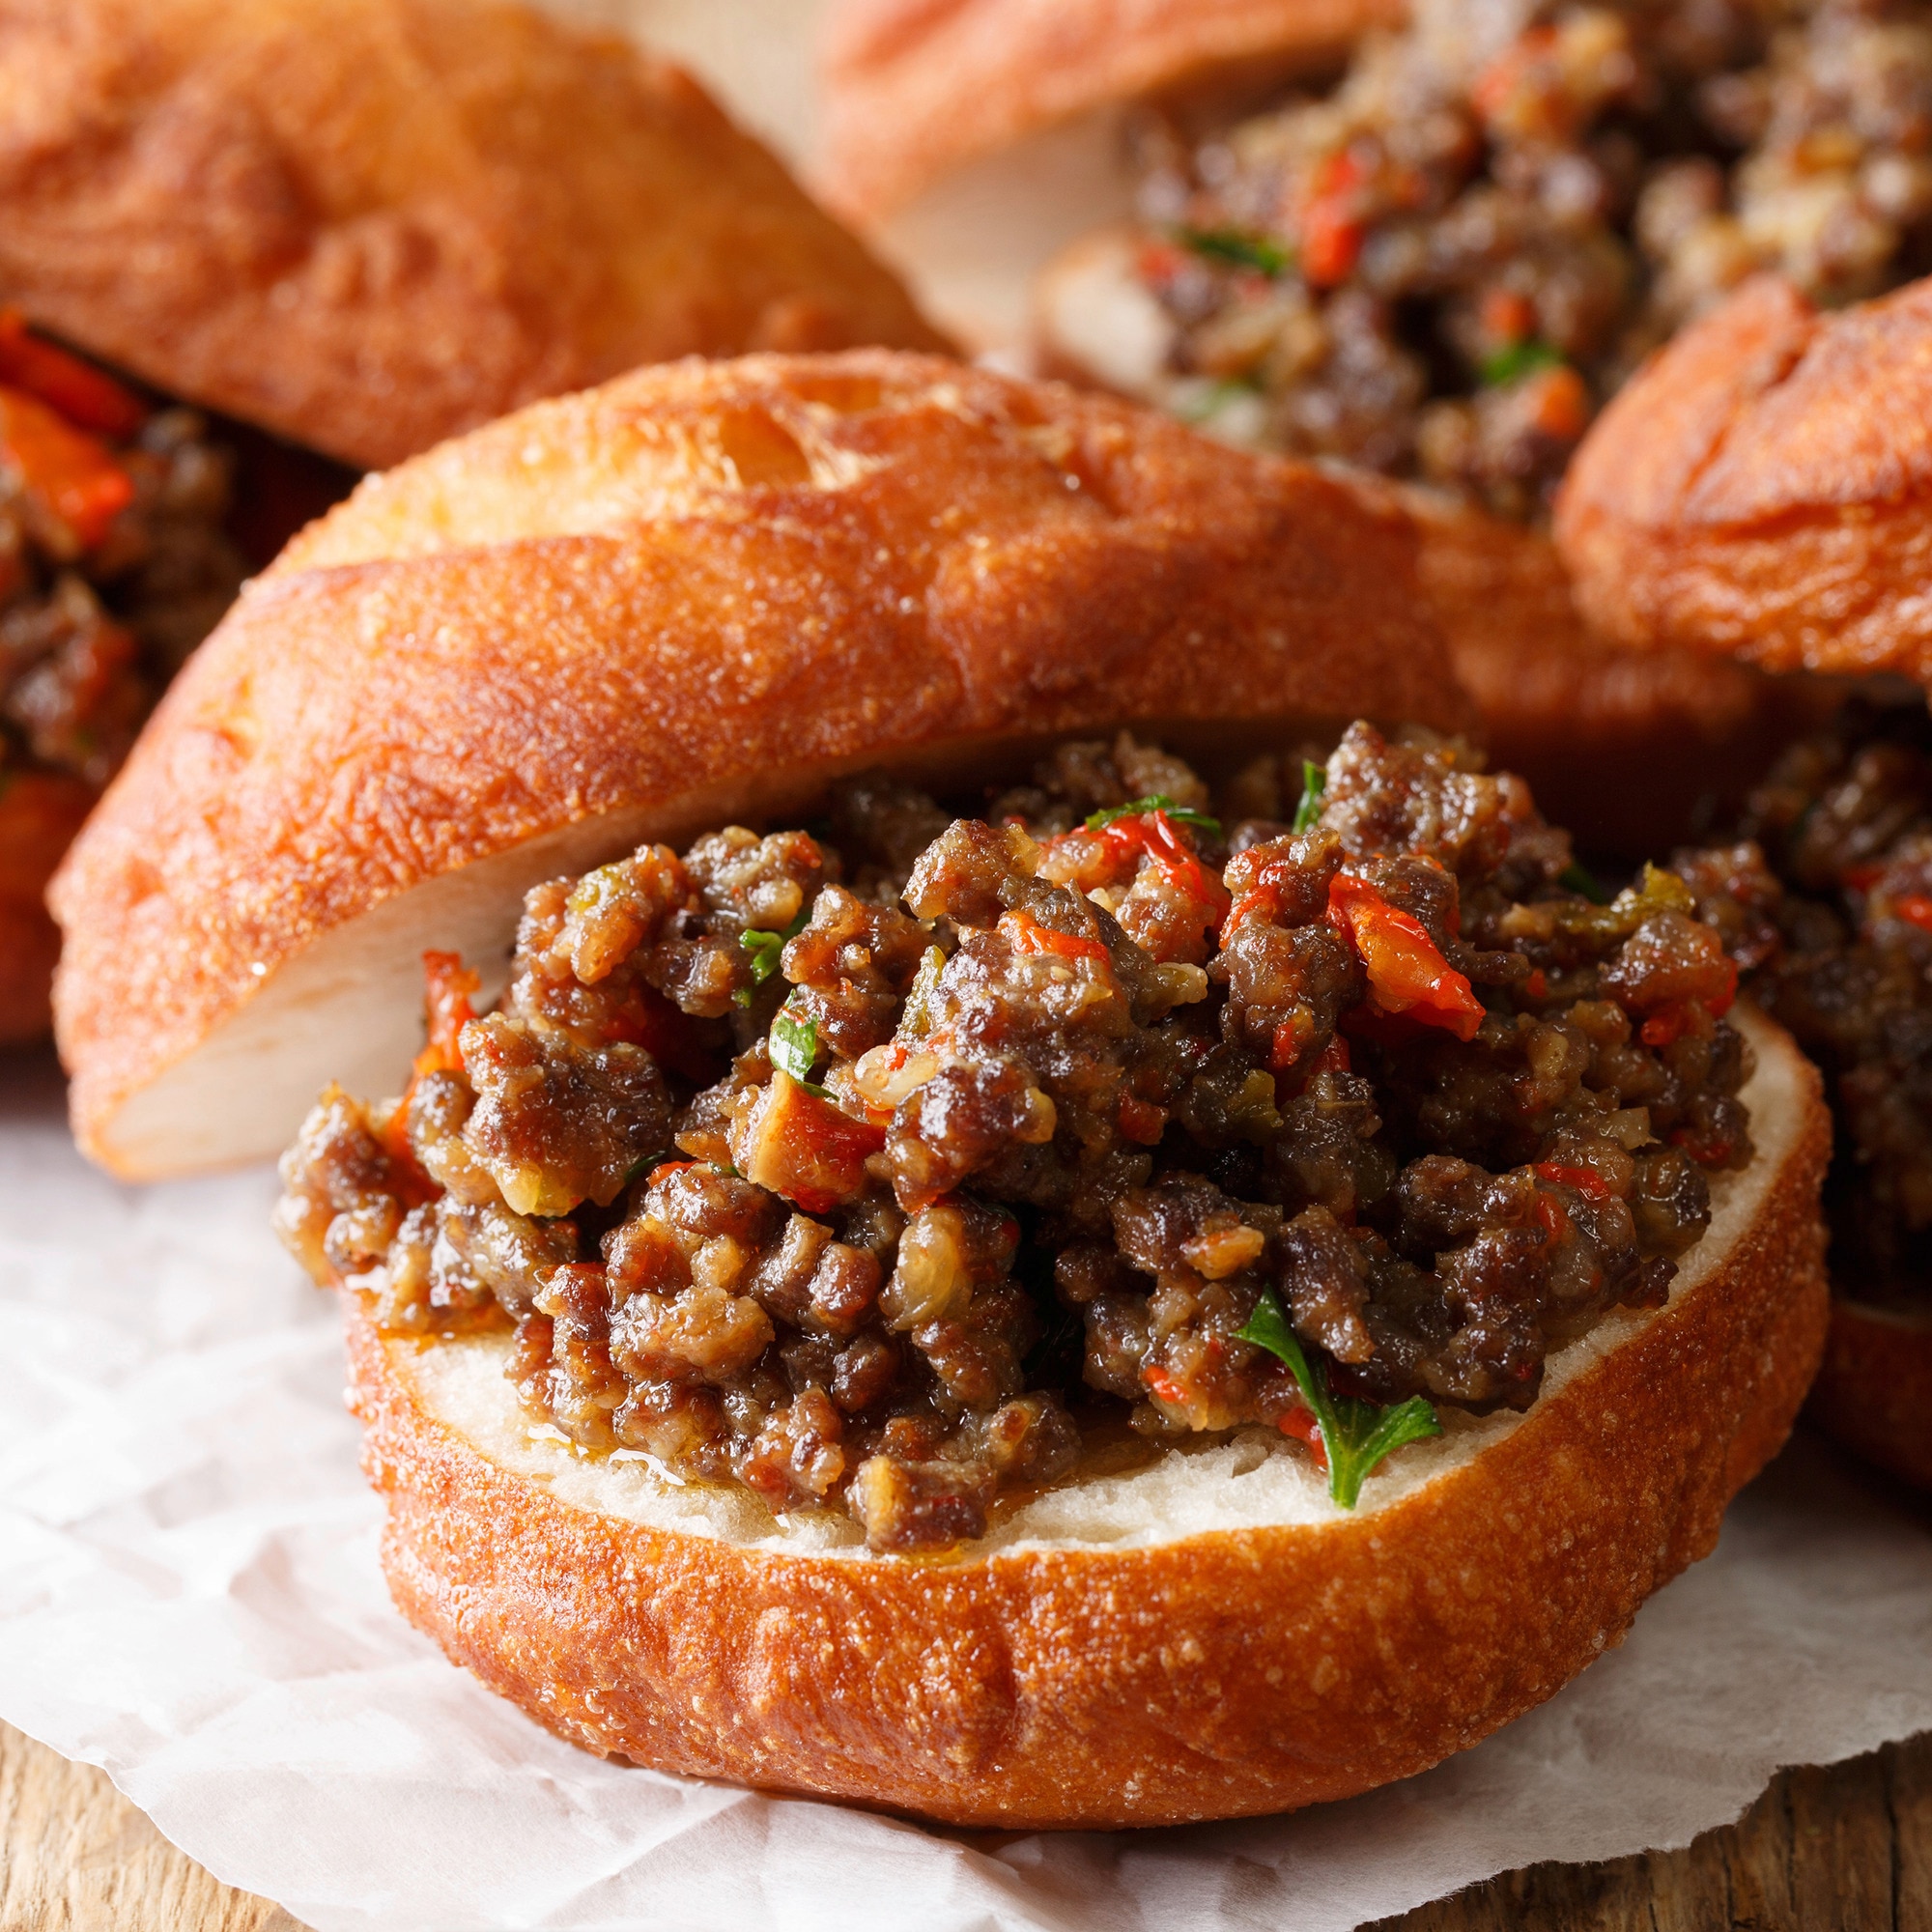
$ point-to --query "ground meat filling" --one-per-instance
(895, 1168)
(1446, 265)
(113, 560)
(1825, 899)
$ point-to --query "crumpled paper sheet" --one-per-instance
(189, 1597)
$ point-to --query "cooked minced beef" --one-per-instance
(886, 1164)
(113, 560)
(1825, 902)
(1445, 266)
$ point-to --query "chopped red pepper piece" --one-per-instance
(83, 394)
(1332, 227)
(665, 1169)
(1916, 909)
(1587, 1180)
(1025, 934)
(72, 472)
(1407, 974)
(447, 986)
(1301, 1424)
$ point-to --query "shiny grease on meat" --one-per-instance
(882, 1166)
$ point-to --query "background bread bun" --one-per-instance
(913, 88)
(1763, 488)
(1874, 1392)
(1629, 750)
(697, 593)
(1206, 1636)
(369, 224)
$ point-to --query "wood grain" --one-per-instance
(1848, 1848)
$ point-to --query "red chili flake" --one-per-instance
(665, 1169)
(1300, 1423)
(1140, 1119)
(1165, 1386)
(1587, 1180)
(1537, 985)
(1706, 1153)
(1331, 226)
(1288, 1037)
(1553, 1214)
(1669, 1023)
(1916, 909)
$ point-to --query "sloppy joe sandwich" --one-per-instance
(1050, 1226)
(1760, 490)
(361, 227)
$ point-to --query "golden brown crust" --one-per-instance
(914, 87)
(40, 813)
(1764, 488)
(369, 224)
(1219, 1675)
(695, 583)
(1629, 750)
(1874, 1393)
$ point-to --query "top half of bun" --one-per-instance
(1763, 488)
(369, 224)
(695, 594)
(913, 88)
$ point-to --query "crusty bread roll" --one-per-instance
(700, 590)
(1874, 1391)
(1763, 488)
(1207, 1636)
(913, 88)
(368, 224)
(1578, 715)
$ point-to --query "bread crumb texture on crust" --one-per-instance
(1207, 1638)
(916, 86)
(1874, 1392)
(698, 592)
(369, 224)
(1764, 488)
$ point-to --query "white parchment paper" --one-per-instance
(189, 1597)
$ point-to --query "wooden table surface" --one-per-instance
(1848, 1849)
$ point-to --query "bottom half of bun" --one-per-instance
(1206, 1636)
(1874, 1392)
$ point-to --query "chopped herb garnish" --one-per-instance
(1518, 360)
(1237, 247)
(1314, 783)
(1181, 815)
(1355, 1435)
(794, 1047)
(1576, 877)
(764, 948)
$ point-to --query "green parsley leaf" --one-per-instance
(766, 947)
(1314, 783)
(1237, 247)
(794, 1047)
(1576, 877)
(1356, 1435)
(1518, 360)
(1181, 815)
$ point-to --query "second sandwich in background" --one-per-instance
(340, 231)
